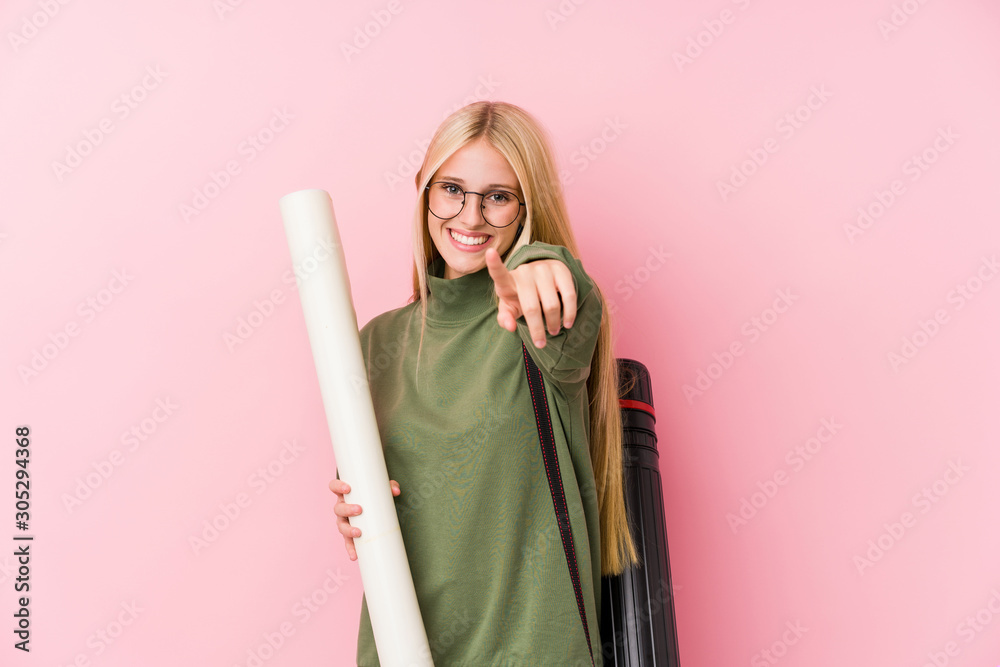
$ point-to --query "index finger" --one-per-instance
(504, 282)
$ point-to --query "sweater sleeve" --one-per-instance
(567, 356)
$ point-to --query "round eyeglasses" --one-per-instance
(499, 208)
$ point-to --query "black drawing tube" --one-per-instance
(638, 626)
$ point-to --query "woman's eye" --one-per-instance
(501, 198)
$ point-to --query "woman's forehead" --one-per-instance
(478, 164)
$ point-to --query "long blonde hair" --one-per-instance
(524, 143)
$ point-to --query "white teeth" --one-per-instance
(467, 240)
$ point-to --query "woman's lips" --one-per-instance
(467, 248)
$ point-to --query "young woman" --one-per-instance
(495, 267)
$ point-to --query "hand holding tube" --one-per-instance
(343, 510)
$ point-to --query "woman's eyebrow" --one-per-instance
(458, 180)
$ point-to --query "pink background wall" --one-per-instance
(883, 349)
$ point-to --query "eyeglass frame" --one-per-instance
(482, 203)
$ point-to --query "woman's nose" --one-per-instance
(472, 213)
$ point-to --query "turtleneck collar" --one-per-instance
(458, 300)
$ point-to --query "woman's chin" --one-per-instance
(465, 265)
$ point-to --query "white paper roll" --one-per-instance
(325, 291)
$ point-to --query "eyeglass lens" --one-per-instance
(446, 200)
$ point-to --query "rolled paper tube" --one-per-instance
(332, 324)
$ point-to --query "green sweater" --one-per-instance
(475, 509)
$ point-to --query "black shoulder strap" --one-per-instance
(555, 481)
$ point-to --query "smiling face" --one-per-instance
(476, 167)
